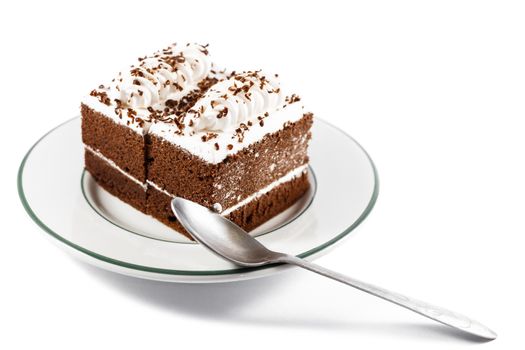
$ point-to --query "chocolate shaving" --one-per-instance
(239, 132)
(209, 136)
(222, 113)
(102, 97)
(292, 99)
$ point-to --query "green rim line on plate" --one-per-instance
(297, 216)
(124, 264)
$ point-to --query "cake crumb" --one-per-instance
(216, 208)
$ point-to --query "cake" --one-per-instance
(174, 124)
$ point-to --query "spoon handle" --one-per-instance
(435, 313)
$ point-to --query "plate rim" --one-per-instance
(163, 271)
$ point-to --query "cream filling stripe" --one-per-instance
(286, 178)
(115, 166)
(157, 187)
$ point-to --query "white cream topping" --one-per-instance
(109, 111)
(159, 80)
(232, 114)
(227, 141)
(236, 100)
(169, 74)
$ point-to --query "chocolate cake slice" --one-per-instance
(116, 117)
(174, 125)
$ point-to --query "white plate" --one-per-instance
(88, 222)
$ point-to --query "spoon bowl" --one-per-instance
(222, 236)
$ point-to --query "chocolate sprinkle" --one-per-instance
(102, 96)
(174, 111)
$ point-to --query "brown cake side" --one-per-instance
(116, 183)
(180, 173)
(125, 147)
(249, 216)
(270, 204)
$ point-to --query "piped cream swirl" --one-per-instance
(243, 97)
(168, 74)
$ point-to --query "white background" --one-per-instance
(433, 90)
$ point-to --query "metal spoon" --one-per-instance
(233, 243)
